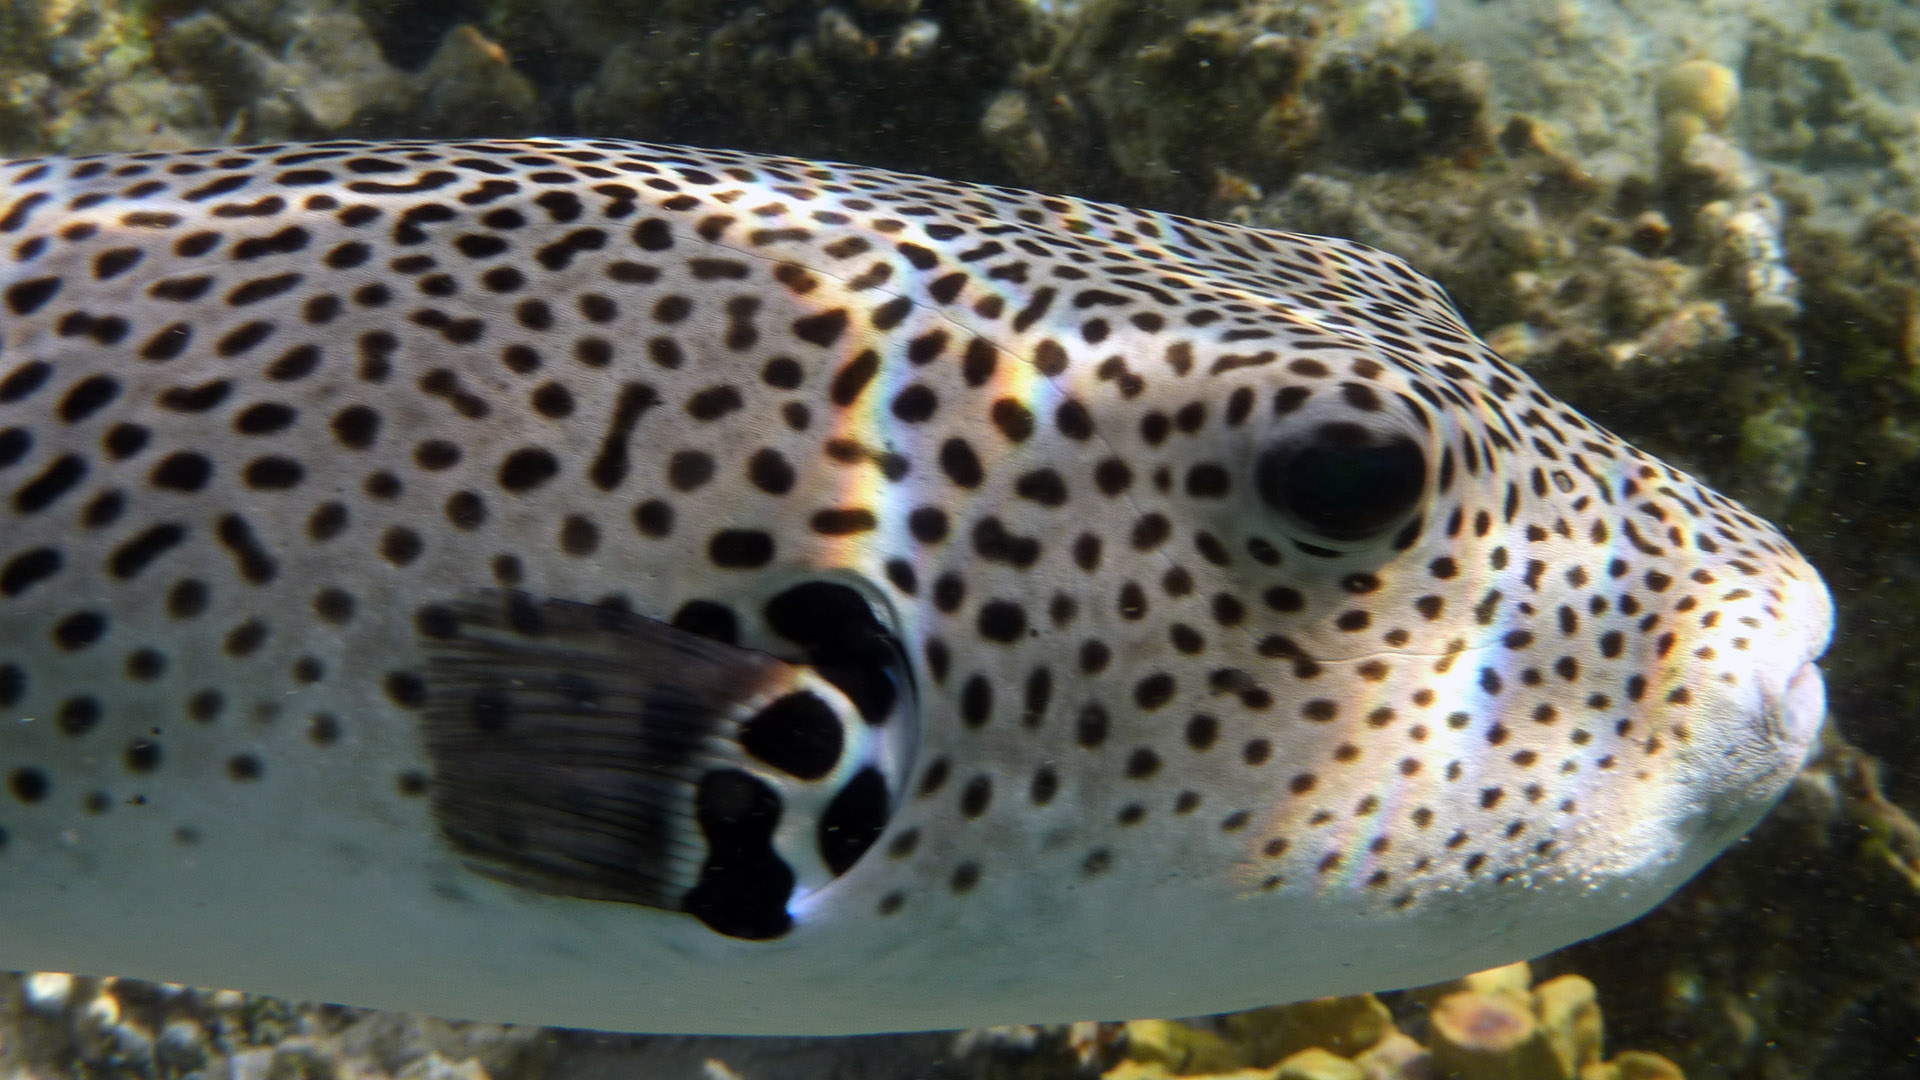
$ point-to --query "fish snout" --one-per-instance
(1800, 708)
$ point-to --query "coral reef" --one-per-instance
(1495, 1025)
(81, 75)
(1171, 104)
(55, 1025)
(893, 82)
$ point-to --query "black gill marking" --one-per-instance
(845, 642)
(572, 748)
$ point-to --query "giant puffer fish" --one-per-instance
(636, 587)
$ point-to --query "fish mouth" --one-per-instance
(1801, 709)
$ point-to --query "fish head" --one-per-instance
(1519, 654)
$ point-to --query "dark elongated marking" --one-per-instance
(60, 476)
(138, 553)
(611, 466)
(1035, 310)
(853, 377)
(256, 566)
(823, 329)
(28, 569)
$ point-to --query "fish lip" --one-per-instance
(1801, 708)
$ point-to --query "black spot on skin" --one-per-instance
(1046, 784)
(79, 630)
(28, 569)
(822, 329)
(77, 716)
(527, 468)
(710, 620)
(24, 381)
(1154, 691)
(653, 234)
(256, 566)
(843, 521)
(245, 639)
(1073, 420)
(740, 549)
(195, 399)
(242, 338)
(1043, 486)
(29, 785)
(610, 466)
(266, 418)
(121, 442)
(62, 475)
(653, 518)
(1091, 726)
(961, 465)
(27, 297)
(769, 471)
(1002, 621)
(914, 404)
(87, 397)
(14, 444)
(714, 402)
(142, 756)
(992, 541)
(799, 734)
(273, 473)
(1013, 418)
(405, 689)
(688, 470)
(975, 797)
(928, 524)
(206, 706)
(965, 878)
(782, 373)
(978, 362)
(330, 519)
(253, 292)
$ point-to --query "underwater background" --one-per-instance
(1696, 222)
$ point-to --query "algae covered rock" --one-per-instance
(1167, 104)
(887, 82)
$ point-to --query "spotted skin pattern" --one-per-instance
(1159, 746)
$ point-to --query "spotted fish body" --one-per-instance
(635, 587)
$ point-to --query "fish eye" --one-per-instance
(1342, 481)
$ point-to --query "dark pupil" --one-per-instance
(1340, 484)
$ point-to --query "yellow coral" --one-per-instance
(1492, 1025)
(1701, 88)
(1633, 1065)
(1184, 1049)
(1492, 1036)
(1317, 1064)
(1569, 1011)
(1343, 1025)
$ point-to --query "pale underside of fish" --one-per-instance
(635, 587)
